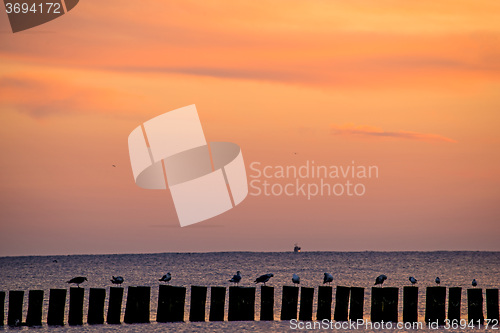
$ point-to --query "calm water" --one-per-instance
(359, 269)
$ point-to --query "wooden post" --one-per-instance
(241, 303)
(266, 303)
(35, 304)
(454, 303)
(384, 304)
(306, 303)
(2, 307)
(143, 304)
(324, 303)
(341, 312)
(96, 306)
(435, 308)
(217, 302)
(15, 316)
(75, 316)
(410, 304)
(492, 304)
(57, 303)
(289, 302)
(171, 301)
(357, 302)
(475, 305)
(198, 301)
(115, 305)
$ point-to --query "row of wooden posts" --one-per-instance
(349, 304)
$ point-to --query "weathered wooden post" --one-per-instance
(324, 303)
(266, 303)
(15, 316)
(289, 302)
(356, 303)
(454, 303)
(137, 307)
(410, 304)
(2, 307)
(435, 308)
(57, 303)
(241, 303)
(115, 305)
(97, 297)
(475, 305)
(384, 304)
(217, 302)
(198, 302)
(75, 316)
(171, 301)
(35, 304)
(306, 303)
(492, 304)
(341, 312)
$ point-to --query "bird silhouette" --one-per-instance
(166, 278)
(295, 279)
(117, 280)
(78, 280)
(236, 278)
(474, 283)
(380, 279)
(328, 278)
(438, 280)
(412, 280)
(264, 278)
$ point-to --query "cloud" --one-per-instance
(364, 130)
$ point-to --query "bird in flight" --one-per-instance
(236, 278)
(114, 166)
(264, 278)
(167, 277)
(78, 280)
(380, 279)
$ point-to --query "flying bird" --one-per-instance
(78, 280)
(167, 277)
(264, 278)
(438, 280)
(114, 166)
(474, 283)
(412, 280)
(328, 278)
(295, 279)
(236, 278)
(117, 280)
(380, 279)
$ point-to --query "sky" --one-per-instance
(410, 87)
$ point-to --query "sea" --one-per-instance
(359, 269)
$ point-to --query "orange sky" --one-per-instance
(412, 87)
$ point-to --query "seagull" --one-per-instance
(117, 280)
(474, 283)
(328, 278)
(264, 278)
(236, 278)
(296, 279)
(78, 280)
(167, 277)
(438, 280)
(380, 279)
(412, 280)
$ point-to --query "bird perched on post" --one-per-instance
(165, 278)
(295, 279)
(412, 280)
(117, 280)
(78, 280)
(236, 278)
(474, 283)
(438, 280)
(264, 278)
(328, 278)
(380, 279)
